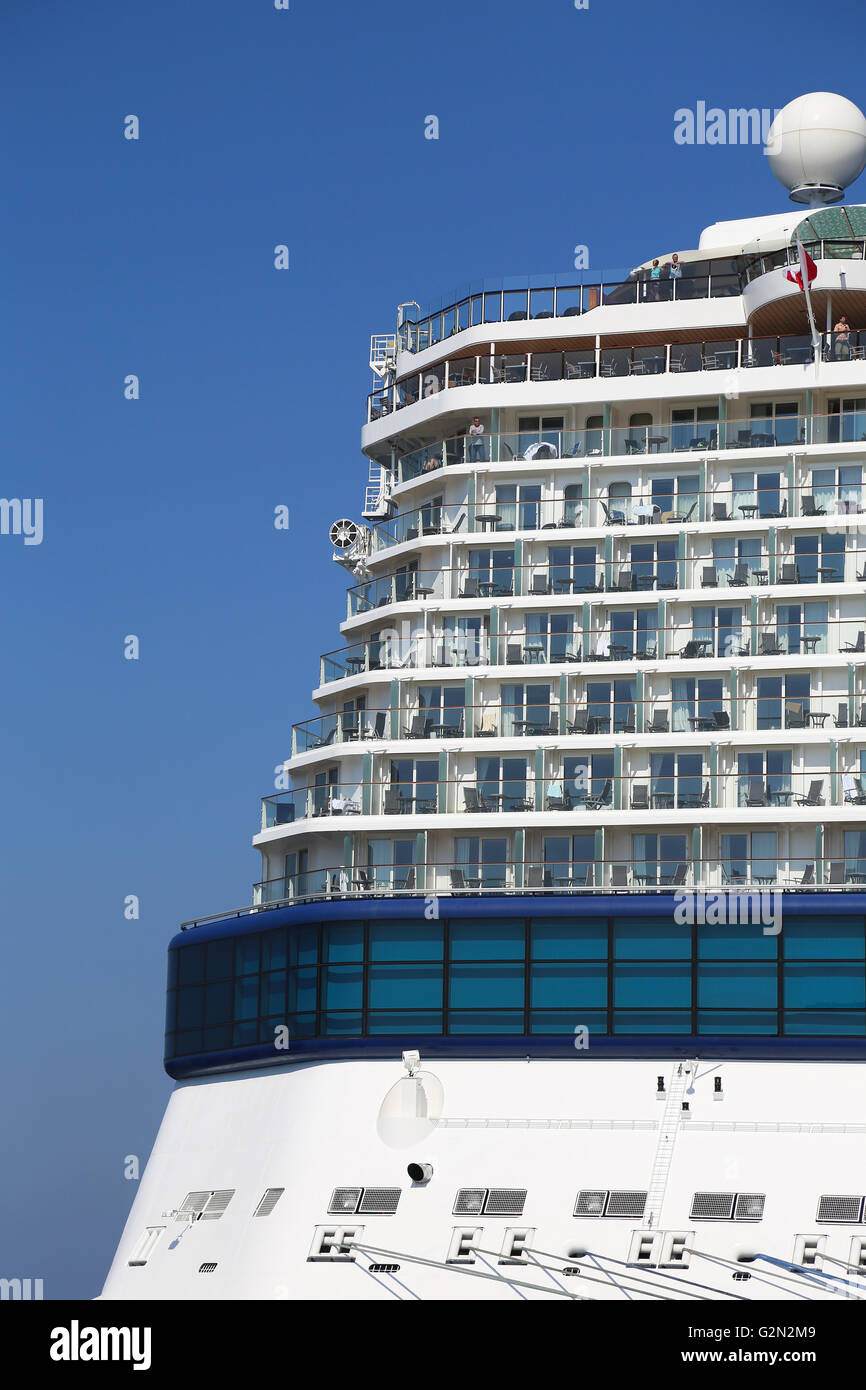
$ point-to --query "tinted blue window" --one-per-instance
(302, 990)
(485, 986)
(545, 1021)
(218, 1038)
(651, 937)
(190, 1007)
(395, 1022)
(568, 986)
(304, 946)
(661, 986)
(564, 938)
(828, 938)
(220, 960)
(668, 1021)
(404, 986)
(341, 1025)
(726, 1021)
(244, 1033)
(218, 1003)
(481, 939)
(247, 997)
(728, 986)
(343, 941)
(737, 941)
(819, 986)
(191, 965)
(273, 999)
(492, 1022)
(341, 987)
(830, 1024)
(406, 940)
(274, 950)
(172, 968)
(246, 955)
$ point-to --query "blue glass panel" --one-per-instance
(485, 986)
(494, 1021)
(341, 1025)
(660, 938)
(247, 997)
(274, 992)
(218, 1038)
(343, 941)
(274, 950)
(546, 1021)
(825, 1025)
(647, 985)
(302, 1025)
(726, 1021)
(302, 990)
(568, 986)
(191, 965)
(304, 946)
(662, 1022)
(218, 1003)
(172, 969)
(341, 987)
(190, 1007)
(833, 938)
(187, 1042)
(395, 1022)
(244, 1033)
(170, 1005)
(220, 960)
(563, 938)
(819, 986)
(727, 986)
(247, 955)
(735, 941)
(404, 986)
(487, 939)
(406, 940)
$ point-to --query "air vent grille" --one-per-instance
(344, 1199)
(470, 1201)
(846, 1210)
(626, 1204)
(749, 1206)
(505, 1201)
(712, 1206)
(217, 1204)
(590, 1202)
(193, 1204)
(269, 1201)
(381, 1201)
(384, 1269)
(207, 1268)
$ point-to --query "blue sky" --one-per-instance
(155, 257)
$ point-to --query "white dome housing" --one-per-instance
(817, 147)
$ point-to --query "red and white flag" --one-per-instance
(808, 269)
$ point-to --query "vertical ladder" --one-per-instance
(376, 491)
(671, 1121)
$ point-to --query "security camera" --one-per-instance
(420, 1172)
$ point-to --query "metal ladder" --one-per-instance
(671, 1121)
(376, 492)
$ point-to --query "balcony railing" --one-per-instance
(583, 364)
(768, 634)
(629, 441)
(806, 789)
(567, 296)
(608, 874)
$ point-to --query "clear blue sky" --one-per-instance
(258, 127)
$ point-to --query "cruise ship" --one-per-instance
(554, 983)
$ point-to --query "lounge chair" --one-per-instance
(858, 646)
(709, 577)
(659, 722)
(813, 797)
(640, 797)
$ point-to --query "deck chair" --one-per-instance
(740, 577)
(580, 723)
(810, 507)
(417, 728)
(837, 871)
(813, 797)
(640, 798)
(679, 875)
(841, 717)
(720, 511)
(858, 646)
(709, 577)
(595, 803)
(721, 719)
(619, 876)
(540, 584)
(470, 588)
(789, 573)
(659, 722)
(624, 580)
(756, 794)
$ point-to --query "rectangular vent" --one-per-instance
(217, 1204)
(384, 1269)
(749, 1206)
(344, 1199)
(269, 1201)
(207, 1268)
(626, 1204)
(571, 1271)
(590, 1202)
(470, 1201)
(379, 1201)
(505, 1201)
(712, 1206)
(193, 1204)
(845, 1210)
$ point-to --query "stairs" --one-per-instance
(671, 1121)
(377, 492)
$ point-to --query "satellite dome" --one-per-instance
(817, 147)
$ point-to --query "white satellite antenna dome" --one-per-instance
(817, 147)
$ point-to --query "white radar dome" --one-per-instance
(817, 147)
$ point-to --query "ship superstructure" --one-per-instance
(555, 977)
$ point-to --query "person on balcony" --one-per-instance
(675, 270)
(842, 340)
(477, 452)
(655, 276)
